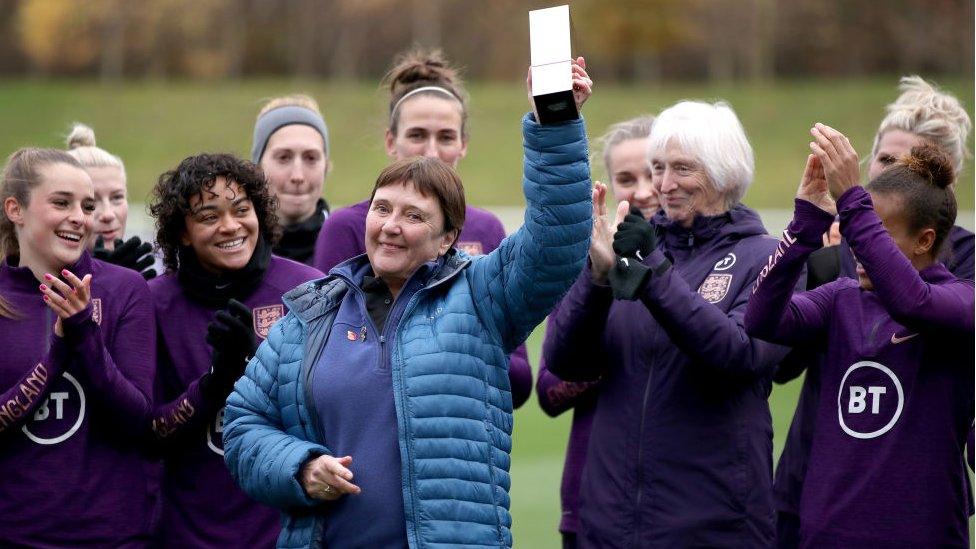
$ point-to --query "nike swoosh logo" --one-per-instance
(895, 340)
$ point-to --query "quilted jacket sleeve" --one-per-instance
(519, 283)
(262, 457)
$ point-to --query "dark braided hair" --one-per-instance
(170, 201)
(921, 179)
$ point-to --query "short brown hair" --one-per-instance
(432, 177)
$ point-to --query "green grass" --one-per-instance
(153, 125)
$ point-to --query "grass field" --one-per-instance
(153, 125)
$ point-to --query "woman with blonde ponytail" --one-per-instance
(111, 205)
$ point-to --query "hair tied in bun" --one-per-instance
(930, 163)
(80, 136)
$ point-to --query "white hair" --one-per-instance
(712, 134)
(930, 113)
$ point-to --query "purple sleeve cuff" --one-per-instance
(809, 223)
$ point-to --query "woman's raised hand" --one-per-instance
(602, 256)
(328, 478)
(838, 158)
(582, 84)
(813, 186)
(66, 300)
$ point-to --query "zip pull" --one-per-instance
(691, 240)
(382, 339)
(362, 333)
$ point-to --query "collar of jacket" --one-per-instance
(317, 297)
(739, 220)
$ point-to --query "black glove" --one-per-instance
(132, 254)
(633, 241)
(231, 334)
(634, 237)
(628, 277)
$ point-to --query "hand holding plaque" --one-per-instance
(558, 84)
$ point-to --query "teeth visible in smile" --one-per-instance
(69, 236)
(231, 244)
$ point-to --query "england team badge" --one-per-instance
(265, 317)
(715, 287)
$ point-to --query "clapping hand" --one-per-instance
(813, 186)
(602, 258)
(132, 254)
(66, 300)
(633, 241)
(231, 335)
(838, 158)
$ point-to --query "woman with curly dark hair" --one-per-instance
(216, 225)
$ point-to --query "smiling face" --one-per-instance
(430, 126)
(111, 205)
(295, 164)
(404, 230)
(892, 145)
(53, 227)
(684, 188)
(630, 172)
(222, 227)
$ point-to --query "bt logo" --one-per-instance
(60, 415)
(870, 400)
(215, 434)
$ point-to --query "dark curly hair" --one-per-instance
(170, 200)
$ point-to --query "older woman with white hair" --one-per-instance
(681, 447)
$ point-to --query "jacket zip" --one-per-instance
(409, 508)
(316, 422)
(640, 454)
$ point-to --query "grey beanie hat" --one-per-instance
(275, 119)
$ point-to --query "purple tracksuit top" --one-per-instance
(202, 506)
(681, 442)
(73, 474)
(555, 397)
(343, 236)
(886, 466)
(791, 469)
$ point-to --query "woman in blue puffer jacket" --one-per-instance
(378, 412)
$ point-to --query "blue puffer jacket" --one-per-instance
(449, 365)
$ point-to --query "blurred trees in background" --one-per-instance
(626, 40)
